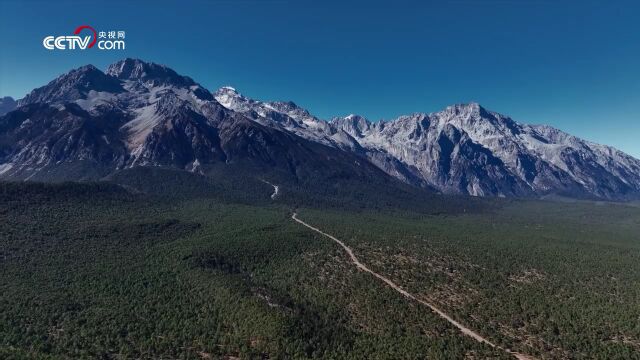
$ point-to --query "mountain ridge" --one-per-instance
(71, 130)
(518, 159)
(139, 113)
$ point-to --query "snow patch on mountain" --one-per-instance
(139, 113)
(285, 115)
(5, 167)
(462, 149)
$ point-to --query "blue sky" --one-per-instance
(571, 64)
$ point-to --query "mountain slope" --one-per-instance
(87, 124)
(524, 158)
(464, 149)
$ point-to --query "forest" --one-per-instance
(97, 270)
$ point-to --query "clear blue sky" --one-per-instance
(571, 64)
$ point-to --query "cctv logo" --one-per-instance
(76, 41)
(71, 42)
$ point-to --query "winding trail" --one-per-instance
(276, 189)
(465, 330)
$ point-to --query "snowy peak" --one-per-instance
(142, 113)
(465, 109)
(287, 116)
(230, 98)
(128, 69)
(136, 69)
(470, 115)
(354, 125)
(354, 119)
(463, 148)
(278, 111)
(153, 75)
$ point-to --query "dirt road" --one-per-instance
(465, 330)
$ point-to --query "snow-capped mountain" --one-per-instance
(465, 149)
(290, 117)
(468, 149)
(86, 124)
(287, 116)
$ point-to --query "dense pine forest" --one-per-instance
(107, 271)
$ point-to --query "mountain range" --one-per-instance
(88, 124)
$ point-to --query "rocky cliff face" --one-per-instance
(87, 124)
(466, 149)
